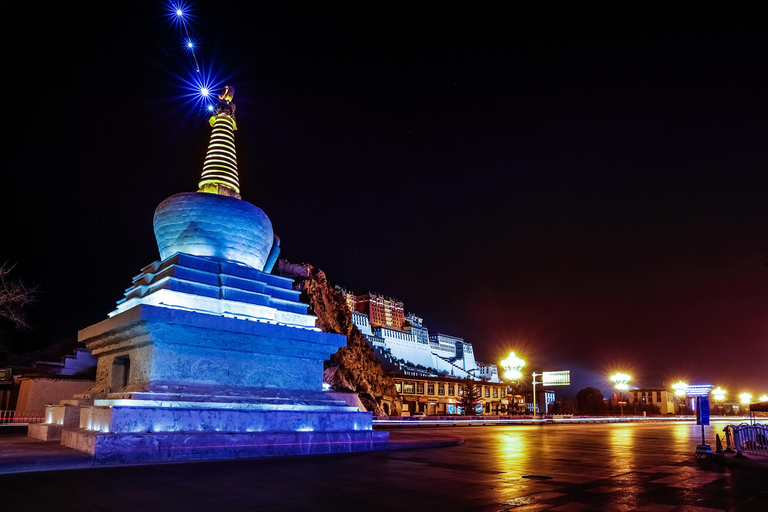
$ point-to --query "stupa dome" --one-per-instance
(213, 225)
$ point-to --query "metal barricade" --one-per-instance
(751, 439)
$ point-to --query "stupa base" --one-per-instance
(109, 448)
(157, 430)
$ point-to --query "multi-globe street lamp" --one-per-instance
(513, 367)
(764, 398)
(719, 395)
(621, 383)
(681, 389)
(745, 399)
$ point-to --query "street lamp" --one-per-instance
(746, 399)
(621, 383)
(719, 395)
(764, 398)
(680, 388)
(513, 367)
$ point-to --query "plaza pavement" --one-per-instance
(562, 468)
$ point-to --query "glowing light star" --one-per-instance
(746, 398)
(764, 398)
(179, 13)
(718, 394)
(620, 381)
(680, 388)
(198, 88)
(512, 366)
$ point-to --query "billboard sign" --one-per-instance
(562, 378)
(702, 411)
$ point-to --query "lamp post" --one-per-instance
(621, 383)
(513, 366)
(746, 399)
(680, 388)
(719, 395)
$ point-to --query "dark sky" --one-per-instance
(589, 189)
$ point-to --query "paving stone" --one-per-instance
(656, 507)
(573, 506)
(614, 507)
(691, 508)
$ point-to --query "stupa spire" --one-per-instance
(220, 166)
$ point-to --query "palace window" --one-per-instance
(487, 391)
(408, 387)
(430, 389)
(441, 389)
(495, 392)
(451, 389)
(419, 388)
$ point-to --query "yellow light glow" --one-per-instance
(746, 398)
(621, 380)
(512, 366)
(680, 388)
(719, 394)
(764, 398)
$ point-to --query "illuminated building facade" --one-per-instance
(544, 402)
(439, 396)
(381, 311)
(665, 400)
(489, 372)
(405, 343)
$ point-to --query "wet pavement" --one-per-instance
(647, 467)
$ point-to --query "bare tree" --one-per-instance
(14, 297)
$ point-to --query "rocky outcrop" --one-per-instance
(354, 368)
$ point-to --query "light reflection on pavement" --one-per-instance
(619, 467)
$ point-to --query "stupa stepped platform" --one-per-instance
(208, 285)
(265, 400)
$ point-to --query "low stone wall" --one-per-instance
(37, 392)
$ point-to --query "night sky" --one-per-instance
(589, 189)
